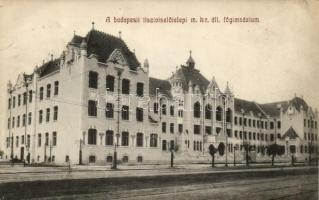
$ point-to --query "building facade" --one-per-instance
(97, 98)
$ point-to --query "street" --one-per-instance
(180, 183)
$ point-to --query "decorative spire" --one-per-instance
(83, 44)
(120, 34)
(227, 90)
(190, 62)
(93, 25)
(73, 32)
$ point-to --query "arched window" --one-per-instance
(228, 115)
(125, 138)
(219, 113)
(139, 159)
(125, 159)
(139, 139)
(109, 137)
(153, 140)
(208, 111)
(93, 79)
(92, 136)
(197, 110)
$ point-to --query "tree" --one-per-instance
(1, 154)
(273, 150)
(221, 149)
(247, 148)
(212, 151)
(311, 150)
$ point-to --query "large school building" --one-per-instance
(97, 98)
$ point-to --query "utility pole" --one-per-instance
(114, 166)
(80, 153)
(10, 125)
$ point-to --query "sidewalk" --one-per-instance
(21, 174)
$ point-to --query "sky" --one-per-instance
(272, 60)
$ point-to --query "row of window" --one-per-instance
(48, 114)
(311, 123)
(47, 142)
(109, 159)
(109, 111)
(93, 83)
(17, 141)
(12, 102)
(171, 127)
(125, 138)
(48, 90)
(256, 123)
(256, 136)
(16, 120)
(310, 136)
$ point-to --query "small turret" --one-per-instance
(9, 86)
(146, 65)
(190, 62)
(83, 47)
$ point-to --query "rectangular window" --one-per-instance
(30, 96)
(254, 136)
(93, 79)
(125, 113)
(249, 122)
(164, 109)
(92, 136)
(47, 118)
(13, 122)
(40, 116)
(24, 120)
(164, 145)
(22, 139)
(48, 90)
(41, 94)
(266, 125)
(24, 98)
(139, 140)
(153, 140)
(13, 102)
(18, 121)
(56, 88)
(92, 108)
(236, 121)
(271, 125)
(125, 138)
(29, 118)
(9, 103)
(272, 137)
(140, 89)
(110, 83)
(109, 137)
(39, 140)
(240, 121)
(208, 130)
(109, 111)
(54, 138)
(139, 114)
(55, 113)
(9, 123)
(245, 121)
(28, 140)
(171, 128)
(172, 110)
(254, 123)
(196, 129)
(17, 141)
(236, 134)
(156, 107)
(305, 123)
(19, 99)
(278, 124)
(125, 86)
(180, 128)
(164, 127)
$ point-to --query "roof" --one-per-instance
(190, 74)
(102, 45)
(248, 106)
(49, 67)
(163, 85)
(291, 133)
(298, 102)
(272, 109)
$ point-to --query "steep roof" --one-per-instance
(102, 45)
(49, 67)
(272, 109)
(163, 85)
(291, 133)
(248, 106)
(190, 74)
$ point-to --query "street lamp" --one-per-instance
(235, 148)
(119, 72)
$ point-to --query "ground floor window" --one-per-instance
(125, 159)
(139, 159)
(109, 159)
(92, 159)
(67, 158)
